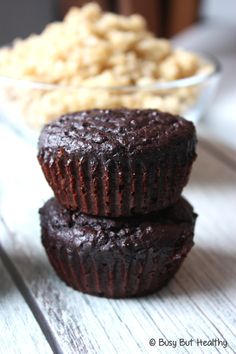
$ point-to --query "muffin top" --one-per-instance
(110, 131)
(167, 228)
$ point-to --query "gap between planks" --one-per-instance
(15, 316)
(26, 294)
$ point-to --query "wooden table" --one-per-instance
(39, 314)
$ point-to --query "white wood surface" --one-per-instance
(200, 302)
(19, 331)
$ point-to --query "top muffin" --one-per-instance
(117, 162)
(109, 131)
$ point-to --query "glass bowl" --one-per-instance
(28, 105)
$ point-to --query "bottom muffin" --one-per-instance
(117, 257)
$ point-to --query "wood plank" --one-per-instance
(19, 331)
(150, 9)
(65, 5)
(219, 148)
(181, 14)
(199, 302)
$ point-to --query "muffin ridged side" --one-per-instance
(115, 176)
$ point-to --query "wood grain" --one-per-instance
(200, 302)
(19, 331)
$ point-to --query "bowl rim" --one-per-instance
(167, 85)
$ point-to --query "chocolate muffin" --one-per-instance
(117, 257)
(117, 162)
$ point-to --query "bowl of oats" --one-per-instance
(95, 59)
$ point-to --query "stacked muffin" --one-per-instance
(118, 226)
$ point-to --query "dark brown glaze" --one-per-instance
(117, 257)
(117, 162)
